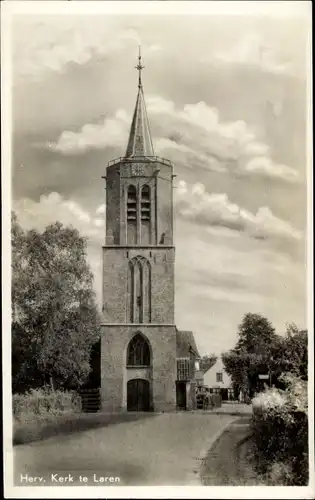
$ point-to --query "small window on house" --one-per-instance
(219, 377)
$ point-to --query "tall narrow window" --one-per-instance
(138, 353)
(183, 369)
(131, 215)
(130, 293)
(139, 290)
(145, 215)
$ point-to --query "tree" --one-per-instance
(236, 365)
(207, 362)
(55, 319)
(252, 353)
(255, 334)
(290, 353)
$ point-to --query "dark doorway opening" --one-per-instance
(224, 394)
(181, 402)
(90, 391)
(138, 395)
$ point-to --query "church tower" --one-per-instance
(138, 343)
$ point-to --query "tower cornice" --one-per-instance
(139, 159)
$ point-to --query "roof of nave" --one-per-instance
(185, 342)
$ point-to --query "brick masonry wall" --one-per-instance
(116, 333)
(115, 272)
(114, 374)
(159, 178)
(164, 194)
(113, 205)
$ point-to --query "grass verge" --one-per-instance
(226, 463)
(68, 423)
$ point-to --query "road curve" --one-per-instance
(160, 450)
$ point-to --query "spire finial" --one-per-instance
(140, 142)
(139, 67)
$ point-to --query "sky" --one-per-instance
(226, 100)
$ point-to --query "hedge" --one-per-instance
(280, 434)
(39, 403)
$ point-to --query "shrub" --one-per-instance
(41, 403)
(280, 433)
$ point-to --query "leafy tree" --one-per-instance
(260, 351)
(252, 353)
(236, 365)
(290, 353)
(55, 318)
(255, 334)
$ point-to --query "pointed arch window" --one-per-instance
(139, 290)
(138, 353)
(145, 215)
(131, 215)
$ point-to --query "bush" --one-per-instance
(280, 433)
(42, 403)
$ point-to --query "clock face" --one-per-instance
(137, 169)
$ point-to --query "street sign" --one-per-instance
(263, 377)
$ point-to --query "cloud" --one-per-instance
(135, 36)
(213, 272)
(193, 136)
(52, 208)
(251, 50)
(265, 166)
(195, 204)
(101, 209)
(50, 43)
(112, 132)
(221, 272)
(219, 279)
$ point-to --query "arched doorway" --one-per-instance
(139, 374)
(138, 395)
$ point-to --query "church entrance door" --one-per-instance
(138, 395)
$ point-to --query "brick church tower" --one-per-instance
(139, 340)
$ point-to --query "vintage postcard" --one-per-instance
(157, 249)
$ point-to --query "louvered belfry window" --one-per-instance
(183, 369)
(145, 215)
(132, 204)
(132, 215)
(145, 203)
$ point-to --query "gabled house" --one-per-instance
(187, 359)
(219, 381)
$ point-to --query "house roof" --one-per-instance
(185, 342)
(199, 375)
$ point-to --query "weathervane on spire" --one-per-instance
(139, 67)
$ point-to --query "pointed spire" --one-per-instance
(140, 142)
